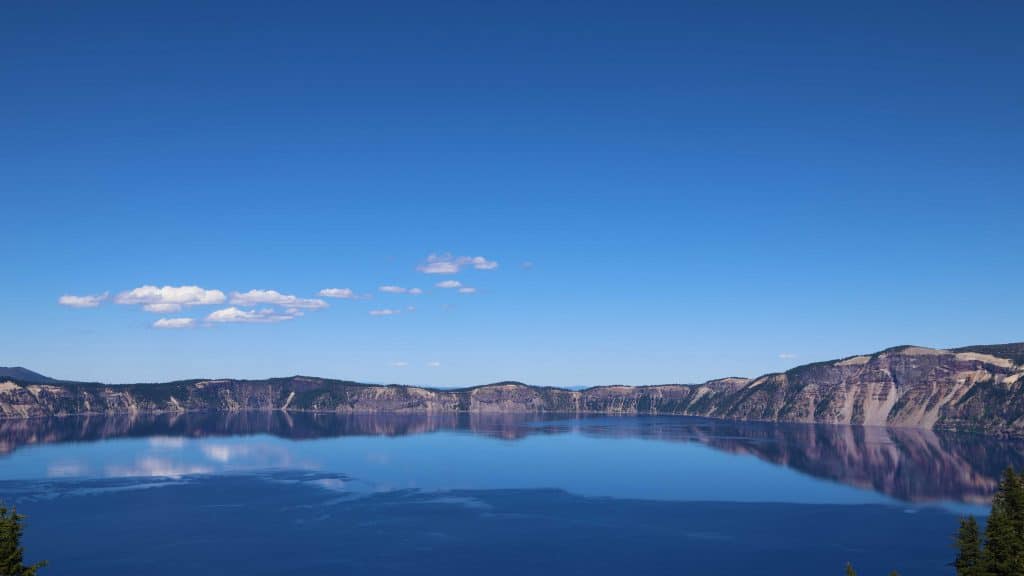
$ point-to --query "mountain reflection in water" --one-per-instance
(908, 464)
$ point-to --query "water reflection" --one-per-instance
(908, 464)
(905, 463)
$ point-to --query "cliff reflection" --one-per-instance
(908, 464)
(15, 434)
(905, 463)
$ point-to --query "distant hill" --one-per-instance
(975, 388)
(24, 375)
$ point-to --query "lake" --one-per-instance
(277, 492)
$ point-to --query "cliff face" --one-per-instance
(908, 386)
(977, 389)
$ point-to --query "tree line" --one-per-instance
(1000, 550)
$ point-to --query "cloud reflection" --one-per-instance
(153, 467)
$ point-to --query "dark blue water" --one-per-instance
(273, 493)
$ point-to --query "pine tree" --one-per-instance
(1003, 553)
(849, 570)
(968, 546)
(12, 554)
(1012, 486)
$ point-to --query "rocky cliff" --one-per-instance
(974, 388)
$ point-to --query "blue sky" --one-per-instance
(656, 192)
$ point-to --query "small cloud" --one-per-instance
(162, 307)
(439, 268)
(526, 265)
(433, 364)
(448, 264)
(400, 290)
(345, 293)
(467, 290)
(169, 298)
(384, 312)
(87, 301)
(237, 315)
(787, 356)
(481, 263)
(174, 323)
(399, 364)
(410, 308)
(449, 284)
(254, 297)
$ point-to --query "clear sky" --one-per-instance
(638, 192)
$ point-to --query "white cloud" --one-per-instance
(169, 298)
(481, 263)
(237, 315)
(174, 323)
(439, 265)
(399, 364)
(87, 301)
(389, 289)
(345, 293)
(254, 297)
(448, 264)
(162, 308)
(787, 356)
(433, 364)
(456, 284)
(384, 312)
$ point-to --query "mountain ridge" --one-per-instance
(24, 374)
(971, 388)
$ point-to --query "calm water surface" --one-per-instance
(272, 493)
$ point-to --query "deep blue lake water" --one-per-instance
(275, 493)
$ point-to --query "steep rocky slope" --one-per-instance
(974, 388)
